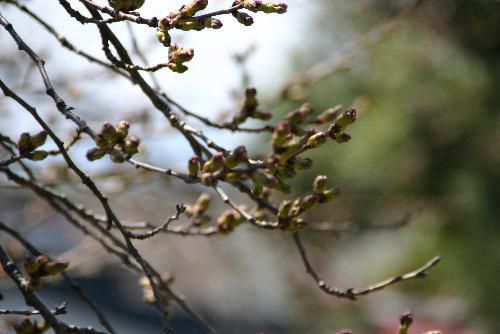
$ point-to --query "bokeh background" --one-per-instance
(424, 77)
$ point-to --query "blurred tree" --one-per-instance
(429, 130)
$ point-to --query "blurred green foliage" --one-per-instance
(429, 129)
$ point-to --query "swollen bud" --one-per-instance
(131, 145)
(319, 184)
(345, 119)
(236, 157)
(284, 210)
(329, 115)
(108, 132)
(122, 129)
(38, 139)
(24, 143)
(95, 154)
(191, 9)
(164, 37)
(316, 140)
(194, 166)
(215, 163)
(37, 155)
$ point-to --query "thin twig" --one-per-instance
(353, 293)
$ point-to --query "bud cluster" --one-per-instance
(114, 141)
(177, 57)
(219, 167)
(28, 144)
(289, 211)
(185, 19)
(42, 266)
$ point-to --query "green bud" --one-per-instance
(320, 184)
(24, 143)
(109, 133)
(237, 156)
(131, 145)
(95, 154)
(278, 7)
(117, 155)
(191, 9)
(164, 37)
(37, 155)
(284, 210)
(122, 129)
(202, 204)
(194, 166)
(281, 134)
(180, 55)
(101, 142)
(329, 115)
(214, 164)
(307, 202)
(345, 119)
(188, 25)
(316, 140)
(38, 139)
(228, 221)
